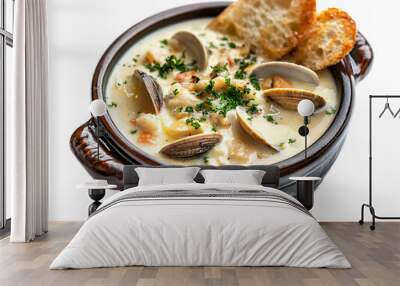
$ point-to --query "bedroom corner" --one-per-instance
(245, 142)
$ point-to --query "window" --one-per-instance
(6, 44)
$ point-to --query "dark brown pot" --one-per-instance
(117, 151)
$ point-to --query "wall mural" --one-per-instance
(182, 90)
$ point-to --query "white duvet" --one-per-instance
(200, 231)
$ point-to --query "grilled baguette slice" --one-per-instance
(271, 27)
(330, 39)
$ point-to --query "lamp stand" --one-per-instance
(97, 135)
(303, 131)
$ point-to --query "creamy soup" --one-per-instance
(209, 101)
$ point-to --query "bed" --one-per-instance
(201, 224)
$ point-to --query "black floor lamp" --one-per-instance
(305, 108)
(305, 185)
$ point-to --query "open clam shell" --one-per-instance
(191, 146)
(286, 70)
(289, 98)
(260, 134)
(151, 88)
(194, 46)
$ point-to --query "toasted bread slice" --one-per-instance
(271, 27)
(330, 39)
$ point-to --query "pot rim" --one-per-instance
(342, 72)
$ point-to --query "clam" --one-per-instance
(148, 85)
(286, 70)
(194, 46)
(259, 130)
(191, 146)
(289, 98)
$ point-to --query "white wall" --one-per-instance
(80, 31)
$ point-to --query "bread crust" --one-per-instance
(329, 40)
(255, 22)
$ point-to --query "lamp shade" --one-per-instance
(98, 107)
(305, 107)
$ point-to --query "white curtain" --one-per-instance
(28, 117)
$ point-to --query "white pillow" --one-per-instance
(166, 176)
(248, 177)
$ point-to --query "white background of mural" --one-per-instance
(80, 31)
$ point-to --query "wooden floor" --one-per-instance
(375, 257)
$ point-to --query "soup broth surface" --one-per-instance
(183, 114)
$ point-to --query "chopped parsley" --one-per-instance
(205, 159)
(189, 109)
(252, 109)
(193, 122)
(291, 141)
(254, 81)
(210, 87)
(243, 64)
(135, 58)
(171, 63)
(175, 91)
(330, 111)
(217, 69)
(282, 145)
(224, 38)
(112, 104)
(133, 131)
(164, 42)
(232, 45)
(240, 74)
(211, 45)
(271, 119)
(225, 100)
(214, 129)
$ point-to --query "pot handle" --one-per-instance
(83, 144)
(361, 57)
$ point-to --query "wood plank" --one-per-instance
(375, 257)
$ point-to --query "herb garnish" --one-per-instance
(133, 131)
(217, 69)
(164, 42)
(189, 109)
(112, 104)
(271, 119)
(330, 111)
(205, 159)
(291, 141)
(243, 64)
(171, 63)
(193, 122)
(224, 100)
(252, 109)
(254, 81)
(211, 45)
(232, 45)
